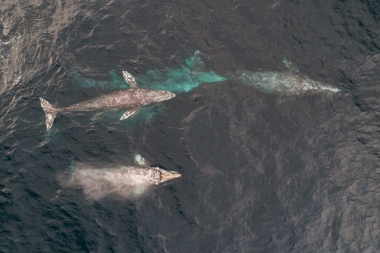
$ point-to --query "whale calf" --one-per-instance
(133, 99)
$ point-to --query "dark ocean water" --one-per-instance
(263, 170)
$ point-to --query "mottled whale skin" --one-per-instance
(129, 175)
(124, 181)
(132, 99)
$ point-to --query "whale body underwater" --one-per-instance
(133, 99)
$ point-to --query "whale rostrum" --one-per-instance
(133, 99)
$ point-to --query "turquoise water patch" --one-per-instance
(53, 135)
(184, 79)
(176, 80)
(139, 160)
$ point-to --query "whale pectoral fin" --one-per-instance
(50, 112)
(130, 80)
(129, 113)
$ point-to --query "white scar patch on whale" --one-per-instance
(128, 182)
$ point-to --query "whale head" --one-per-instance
(159, 95)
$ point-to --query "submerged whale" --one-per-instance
(124, 181)
(133, 99)
(290, 82)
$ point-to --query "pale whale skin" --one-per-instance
(127, 182)
(131, 175)
(133, 99)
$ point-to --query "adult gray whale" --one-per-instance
(134, 98)
(128, 175)
(124, 181)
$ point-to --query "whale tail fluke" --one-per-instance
(50, 112)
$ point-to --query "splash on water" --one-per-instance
(290, 66)
(139, 160)
(182, 79)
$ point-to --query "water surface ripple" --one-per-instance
(261, 171)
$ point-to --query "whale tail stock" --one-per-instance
(50, 112)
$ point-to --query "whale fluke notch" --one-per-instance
(50, 112)
(129, 79)
(129, 113)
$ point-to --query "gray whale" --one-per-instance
(132, 99)
(123, 181)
